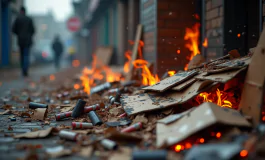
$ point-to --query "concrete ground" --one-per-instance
(11, 79)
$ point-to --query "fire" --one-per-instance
(219, 97)
(105, 73)
(126, 66)
(192, 34)
(89, 76)
(147, 77)
(171, 73)
(205, 43)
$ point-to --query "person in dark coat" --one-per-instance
(57, 47)
(23, 27)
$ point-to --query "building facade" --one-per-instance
(165, 23)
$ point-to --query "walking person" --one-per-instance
(24, 29)
(57, 47)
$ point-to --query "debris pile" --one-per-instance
(193, 114)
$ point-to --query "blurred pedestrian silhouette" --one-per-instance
(24, 29)
(57, 47)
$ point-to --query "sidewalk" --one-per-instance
(12, 79)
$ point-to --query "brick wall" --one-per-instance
(214, 16)
(173, 19)
(164, 23)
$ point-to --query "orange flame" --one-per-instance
(147, 77)
(89, 76)
(171, 73)
(192, 34)
(126, 66)
(219, 97)
(205, 43)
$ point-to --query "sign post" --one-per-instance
(73, 24)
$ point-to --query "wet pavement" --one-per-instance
(12, 84)
(12, 78)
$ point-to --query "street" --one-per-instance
(11, 85)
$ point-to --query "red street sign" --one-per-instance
(73, 24)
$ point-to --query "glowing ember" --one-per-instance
(75, 63)
(244, 153)
(192, 34)
(218, 135)
(171, 73)
(238, 35)
(201, 140)
(76, 86)
(52, 77)
(205, 43)
(178, 148)
(188, 145)
(178, 51)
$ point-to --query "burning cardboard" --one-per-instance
(171, 81)
(153, 101)
(253, 92)
(220, 77)
(200, 118)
